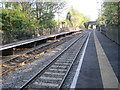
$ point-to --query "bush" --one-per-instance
(13, 19)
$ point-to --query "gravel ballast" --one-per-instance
(17, 78)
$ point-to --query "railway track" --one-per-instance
(11, 64)
(54, 74)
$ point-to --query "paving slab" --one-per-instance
(90, 76)
(100, 49)
(111, 50)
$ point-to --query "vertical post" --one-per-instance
(7, 52)
(100, 28)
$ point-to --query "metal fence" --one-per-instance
(112, 32)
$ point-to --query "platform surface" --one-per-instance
(22, 42)
(101, 63)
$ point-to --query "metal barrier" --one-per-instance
(112, 32)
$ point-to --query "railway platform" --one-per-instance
(87, 60)
(100, 67)
(7, 49)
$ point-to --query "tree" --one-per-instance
(68, 18)
(111, 13)
(14, 19)
(77, 19)
(27, 13)
(17, 17)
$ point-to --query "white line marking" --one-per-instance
(109, 78)
(74, 82)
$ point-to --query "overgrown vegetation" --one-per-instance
(110, 13)
(76, 19)
(110, 20)
(24, 20)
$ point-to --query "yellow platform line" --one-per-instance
(109, 78)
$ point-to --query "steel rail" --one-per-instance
(48, 65)
(33, 49)
(72, 63)
(31, 58)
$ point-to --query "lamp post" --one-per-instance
(99, 2)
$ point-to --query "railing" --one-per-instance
(112, 32)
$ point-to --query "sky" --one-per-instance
(89, 8)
